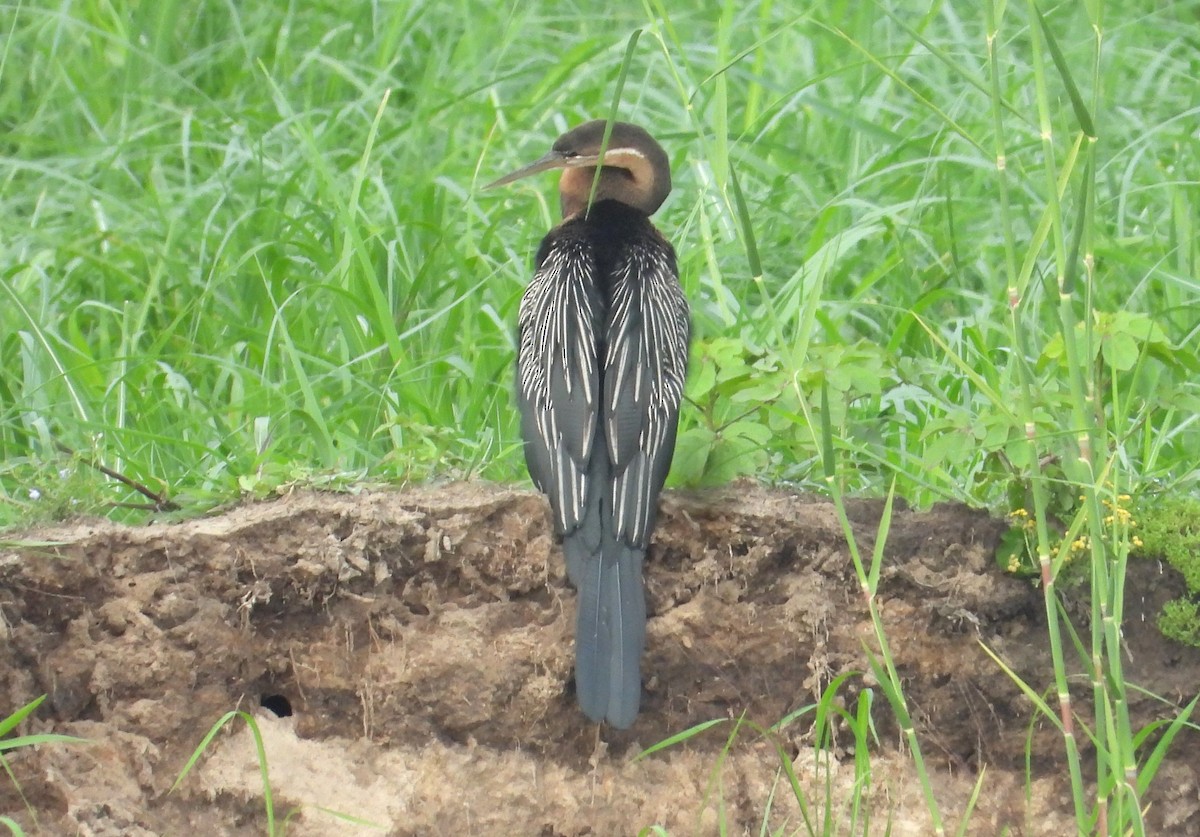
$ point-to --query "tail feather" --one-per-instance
(610, 629)
(582, 546)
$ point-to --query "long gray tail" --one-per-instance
(610, 626)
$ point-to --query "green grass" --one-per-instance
(10, 742)
(272, 826)
(244, 246)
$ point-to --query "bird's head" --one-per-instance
(634, 169)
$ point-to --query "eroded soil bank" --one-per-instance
(422, 640)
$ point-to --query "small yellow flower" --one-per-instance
(1018, 513)
(1136, 541)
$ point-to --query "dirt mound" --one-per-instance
(422, 642)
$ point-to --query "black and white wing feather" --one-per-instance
(558, 377)
(601, 360)
(644, 369)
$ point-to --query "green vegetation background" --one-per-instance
(243, 245)
(945, 248)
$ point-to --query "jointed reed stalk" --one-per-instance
(1018, 283)
(1117, 807)
(883, 666)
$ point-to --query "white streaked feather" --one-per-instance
(648, 332)
(557, 326)
(645, 358)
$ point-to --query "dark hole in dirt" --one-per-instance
(422, 640)
(280, 706)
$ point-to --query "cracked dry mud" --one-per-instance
(423, 640)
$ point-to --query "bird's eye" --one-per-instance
(570, 154)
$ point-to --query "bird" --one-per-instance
(602, 352)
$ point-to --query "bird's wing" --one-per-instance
(558, 376)
(644, 368)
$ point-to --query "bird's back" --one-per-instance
(601, 362)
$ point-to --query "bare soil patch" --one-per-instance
(422, 640)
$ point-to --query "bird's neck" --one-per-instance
(634, 187)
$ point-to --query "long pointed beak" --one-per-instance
(552, 160)
(555, 160)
